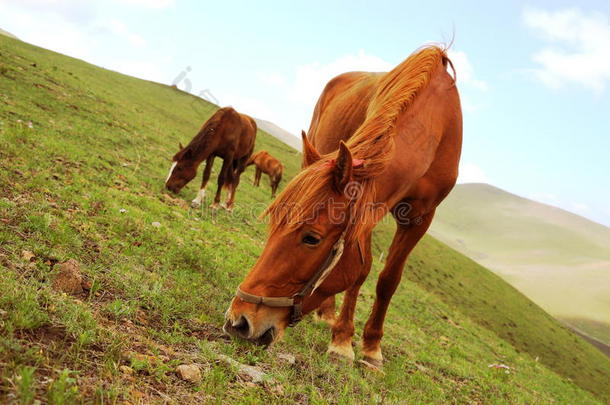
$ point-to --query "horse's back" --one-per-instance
(341, 109)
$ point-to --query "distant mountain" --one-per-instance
(6, 33)
(559, 259)
(279, 133)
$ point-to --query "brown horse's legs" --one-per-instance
(405, 239)
(206, 176)
(227, 164)
(326, 311)
(274, 183)
(235, 178)
(257, 177)
(343, 327)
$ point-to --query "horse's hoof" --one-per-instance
(214, 206)
(337, 358)
(340, 354)
(372, 364)
(195, 204)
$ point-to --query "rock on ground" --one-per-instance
(246, 372)
(189, 372)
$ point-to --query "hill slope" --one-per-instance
(547, 253)
(6, 33)
(83, 155)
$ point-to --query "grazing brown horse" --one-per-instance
(228, 135)
(265, 163)
(378, 142)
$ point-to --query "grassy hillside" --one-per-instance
(547, 253)
(6, 33)
(83, 155)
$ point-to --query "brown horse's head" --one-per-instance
(183, 170)
(185, 162)
(303, 241)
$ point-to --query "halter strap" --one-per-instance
(296, 301)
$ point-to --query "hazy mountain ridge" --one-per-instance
(279, 133)
(546, 252)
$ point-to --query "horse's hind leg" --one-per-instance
(223, 176)
(241, 166)
(206, 176)
(405, 239)
(343, 327)
(257, 177)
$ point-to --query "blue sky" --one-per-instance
(534, 76)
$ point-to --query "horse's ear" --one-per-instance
(180, 146)
(310, 154)
(343, 167)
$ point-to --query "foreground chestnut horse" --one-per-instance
(377, 143)
(227, 134)
(265, 163)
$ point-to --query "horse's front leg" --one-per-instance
(223, 177)
(206, 176)
(343, 326)
(405, 239)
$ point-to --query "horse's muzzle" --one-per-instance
(241, 329)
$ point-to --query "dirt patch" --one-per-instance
(207, 332)
(68, 278)
(45, 335)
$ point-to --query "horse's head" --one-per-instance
(293, 275)
(183, 170)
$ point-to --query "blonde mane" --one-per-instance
(373, 142)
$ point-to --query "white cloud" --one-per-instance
(465, 70)
(310, 79)
(471, 173)
(578, 50)
(251, 106)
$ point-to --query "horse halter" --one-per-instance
(296, 301)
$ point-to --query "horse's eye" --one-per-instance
(310, 240)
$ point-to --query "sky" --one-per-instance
(534, 77)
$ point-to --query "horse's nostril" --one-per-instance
(241, 326)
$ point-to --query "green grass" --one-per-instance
(101, 143)
(558, 259)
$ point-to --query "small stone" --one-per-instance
(68, 278)
(126, 369)
(287, 357)
(27, 255)
(156, 224)
(246, 372)
(122, 210)
(189, 372)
